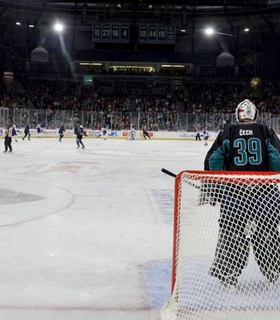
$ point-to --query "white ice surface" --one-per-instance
(87, 234)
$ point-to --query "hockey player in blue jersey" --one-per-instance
(246, 146)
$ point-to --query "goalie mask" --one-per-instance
(246, 111)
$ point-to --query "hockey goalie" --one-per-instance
(249, 213)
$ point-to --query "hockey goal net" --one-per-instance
(226, 255)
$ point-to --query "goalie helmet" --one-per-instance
(246, 111)
(81, 127)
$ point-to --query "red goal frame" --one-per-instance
(200, 175)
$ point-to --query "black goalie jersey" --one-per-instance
(244, 147)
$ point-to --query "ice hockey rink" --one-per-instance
(87, 234)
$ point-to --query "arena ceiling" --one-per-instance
(228, 16)
(179, 12)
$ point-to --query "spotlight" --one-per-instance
(58, 27)
(209, 31)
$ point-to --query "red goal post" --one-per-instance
(195, 294)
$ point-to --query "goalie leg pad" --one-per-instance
(231, 255)
(233, 246)
(266, 248)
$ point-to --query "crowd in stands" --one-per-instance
(111, 103)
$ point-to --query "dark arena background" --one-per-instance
(141, 35)
(111, 64)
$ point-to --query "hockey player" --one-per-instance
(206, 136)
(15, 132)
(39, 130)
(8, 139)
(246, 146)
(26, 132)
(103, 133)
(61, 132)
(79, 132)
(145, 134)
(132, 132)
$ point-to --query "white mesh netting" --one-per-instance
(226, 262)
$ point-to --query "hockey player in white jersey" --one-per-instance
(39, 130)
(103, 133)
(15, 132)
(132, 133)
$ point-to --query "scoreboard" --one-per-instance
(107, 32)
(157, 34)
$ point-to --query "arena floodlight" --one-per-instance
(209, 31)
(58, 27)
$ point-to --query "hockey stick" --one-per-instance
(168, 173)
(174, 176)
(204, 194)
